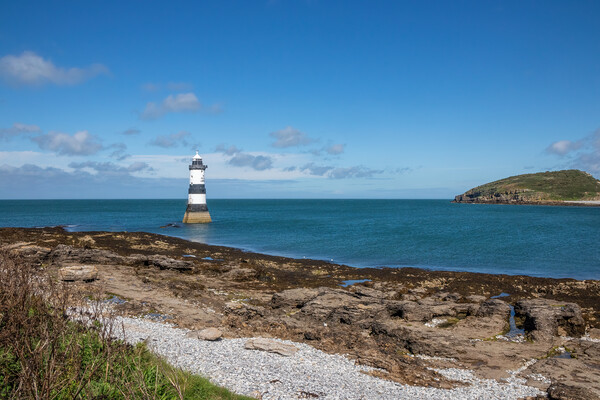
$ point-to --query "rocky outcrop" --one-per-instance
(63, 254)
(511, 196)
(293, 298)
(159, 261)
(545, 318)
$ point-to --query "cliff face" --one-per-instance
(554, 187)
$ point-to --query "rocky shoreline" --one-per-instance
(406, 324)
(501, 199)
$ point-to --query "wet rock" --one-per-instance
(85, 273)
(295, 298)
(271, 346)
(209, 334)
(545, 318)
(493, 307)
(562, 391)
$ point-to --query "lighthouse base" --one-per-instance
(196, 217)
(196, 214)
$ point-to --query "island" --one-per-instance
(566, 187)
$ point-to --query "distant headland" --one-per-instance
(567, 187)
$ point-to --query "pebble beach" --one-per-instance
(309, 373)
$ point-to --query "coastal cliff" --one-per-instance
(567, 187)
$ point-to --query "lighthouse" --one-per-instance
(197, 211)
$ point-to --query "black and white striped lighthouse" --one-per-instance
(197, 211)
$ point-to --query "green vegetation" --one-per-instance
(45, 355)
(543, 186)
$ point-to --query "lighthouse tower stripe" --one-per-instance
(197, 193)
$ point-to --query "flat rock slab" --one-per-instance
(271, 346)
(78, 273)
(210, 334)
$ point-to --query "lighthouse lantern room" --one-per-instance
(197, 211)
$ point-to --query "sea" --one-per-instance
(544, 241)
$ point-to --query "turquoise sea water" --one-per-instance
(436, 234)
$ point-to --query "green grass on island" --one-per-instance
(44, 354)
(566, 185)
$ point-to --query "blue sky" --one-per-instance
(294, 99)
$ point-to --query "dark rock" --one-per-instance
(562, 391)
(545, 318)
(312, 335)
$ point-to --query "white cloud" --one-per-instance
(31, 69)
(563, 147)
(17, 129)
(290, 137)
(171, 140)
(182, 102)
(582, 154)
(81, 143)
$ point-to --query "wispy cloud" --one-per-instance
(81, 143)
(131, 131)
(335, 149)
(582, 154)
(241, 159)
(172, 140)
(563, 147)
(228, 150)
(290, 137)
(182, 102)
(30, 69)
(119, 152)
(259, 163)
(111, 168)
(17, 129)
(339, 172)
